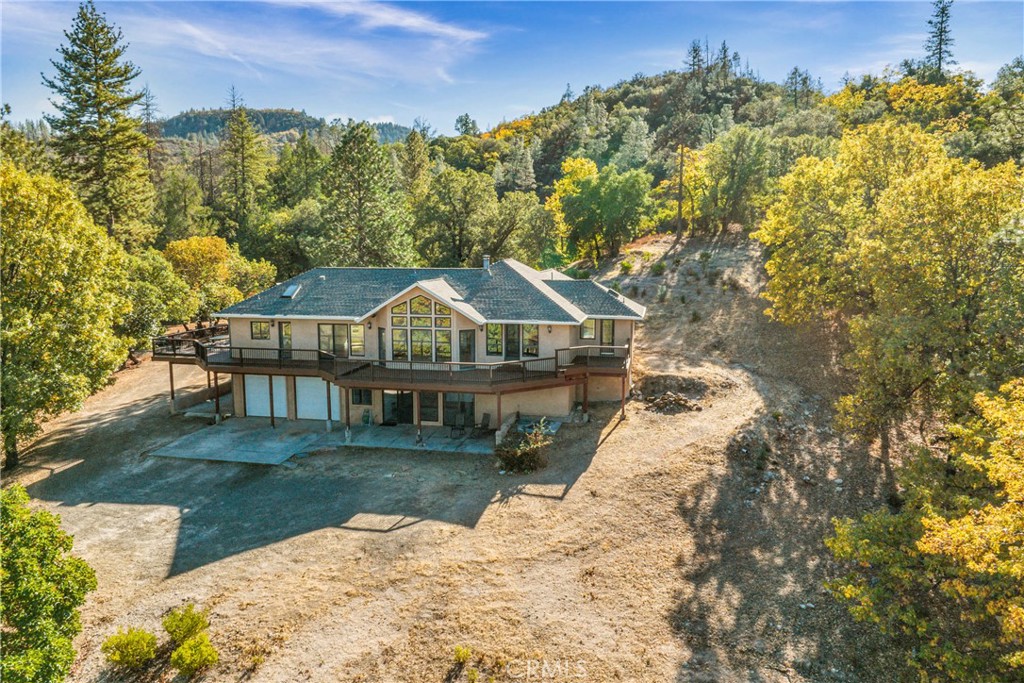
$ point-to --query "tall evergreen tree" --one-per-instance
(516, 173)
(299, 173)
(100, 144)
(415, 165)
(939, 46)
(245, 171)
(365, 222)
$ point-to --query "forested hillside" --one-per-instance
(211, 123)
(890, 211)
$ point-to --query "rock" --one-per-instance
(671, 403)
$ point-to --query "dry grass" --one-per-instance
(683, 547)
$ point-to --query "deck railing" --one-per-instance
(212, 349)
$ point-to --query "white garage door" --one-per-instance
(311, 399)
(257, 398)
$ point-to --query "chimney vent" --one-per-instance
(487, 261)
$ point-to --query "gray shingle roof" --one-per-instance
(597, 300)
(509, 292)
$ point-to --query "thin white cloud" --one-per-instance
(377, 15)
(405, 46)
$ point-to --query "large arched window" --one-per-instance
(421, 330)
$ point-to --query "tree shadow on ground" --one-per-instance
(230, 508)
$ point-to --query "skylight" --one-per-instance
(290, 291)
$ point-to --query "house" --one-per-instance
(422, 346)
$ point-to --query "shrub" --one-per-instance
(194, 655)
(676, 261)
(704, 258)
(658, 268)
(582, 274)
(634, 291)
(462, 654)
(626, 267)
(682, 298)
(662, 293)
(615, 287)
(185, 622)
(130, 649)
(524, 451)
(695, 317)
(472, 676)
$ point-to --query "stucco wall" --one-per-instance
(555, 402)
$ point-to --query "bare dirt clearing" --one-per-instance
(679, 547)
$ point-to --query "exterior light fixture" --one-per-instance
(549, 329)
(369, 324)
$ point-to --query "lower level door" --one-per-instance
(398, 407)
(459, 404)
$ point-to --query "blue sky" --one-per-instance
(496, 60)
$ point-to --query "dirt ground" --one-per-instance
(662, 548)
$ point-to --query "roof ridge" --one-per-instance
(533, 277)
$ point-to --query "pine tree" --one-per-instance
(465, 125)
(245, 169)
(940, 40)
(366, 223)
(298, 174)
(100, 144)
(516, 173)
(415, 164)
(149, 114)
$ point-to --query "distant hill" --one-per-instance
(207, 122)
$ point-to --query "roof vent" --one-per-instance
(487, 261)
(290, 291)
(323, 278)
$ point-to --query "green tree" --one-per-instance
(452, 219)
(465, 125)
(607, 210)
(414, 160)
(179, 211)
(516, 173)
(520, 228)
(942, 573)
(635, 149)
(157, 295)
(365, 222)
(939, 46)
(245, 160)
(18, 149)
(100, 144)
(61, 289)
(298, 174)
(43, 586)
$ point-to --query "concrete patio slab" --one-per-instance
(253, 440)
(250, 441)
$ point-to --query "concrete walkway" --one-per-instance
(253, 440)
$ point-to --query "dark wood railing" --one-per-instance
(186, 343)
(213, 350)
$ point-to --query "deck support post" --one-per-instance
(170, 369)
(586, 394)
(208, 379)
(270, 386)
(499, 411)
(419, 418)
(348, 415)
(216, 398)
(623, 399)
(328, 385)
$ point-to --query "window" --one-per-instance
(400, 309)
(362, 397)
(400, 344)
(420, 305)
(259, 329)
(399, 321)
(443, 346)
(421, 343)
(531, 340)
(419, 321)
(442, 322)
(333, 339)
(357, 342)
(494, 347)
(428, 406)
(441, 309)
(290, 291)
(588, 329)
